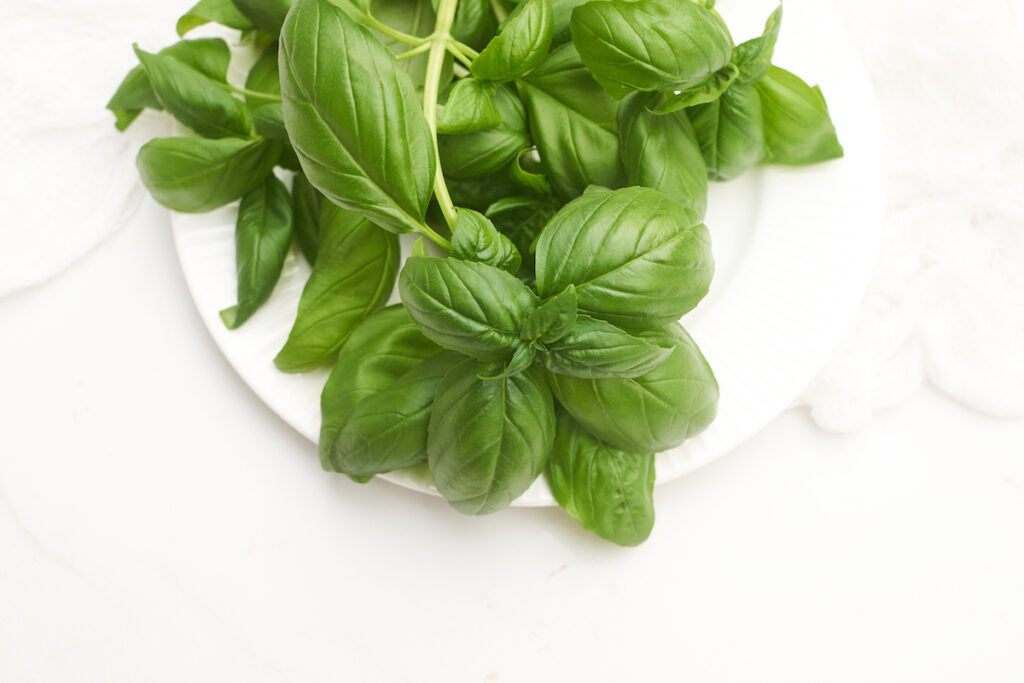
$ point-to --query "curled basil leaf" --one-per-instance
(797, 127)
(521, 43)
(489, 150)
(470, 107)
(730, 132)
(594, 348)
(476, 239)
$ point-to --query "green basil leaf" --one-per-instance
(480, 192)
(263, 234)
(380, 351)
(573, 123)
(469, 307)
(476, 239)
(531, 180)
(636, 257)
(730, 132)
(470, 107)
(353, 118)
(521, 44)
(266, 15)
(306, 205)
(521, 219)
(594, 348)
(221, 12)
(388, 429)
(194, 99)
(489, 150)
(474, 23)
(193, 175)
(268, 120)
(419, 248)
(650, 45)
(608, 491)
(353, 276)
(650, 413)
(554, 318)
(754, 56)
(488, 440)
(209, 56)
(661, 152)
(264, 76)
(797, 127)
(707, 91)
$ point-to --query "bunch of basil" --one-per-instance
(576, 139)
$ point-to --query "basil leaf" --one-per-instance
(521, 219)
(561, 13)
(470, 107)
(529, 180)
(650, 413)
(479, 192)
(388, 429)
(353, 118)
(488, 439)
(608, 491)
(594, 348)
(573, 123)
(382, 349)
(222, 12)
(353, 275)
(474, 23)
(209, 56)
(263, 233)
(730, 132)
(754, 56)
(476, 239)
(193, 175)
(522, 41)
(266, 15)
(636, 257)
(306, 204)
(797, 127)
(661, 152)
(650, 45)
(707, 91)
(469, 307)
(489, 150)
(268, 120)
(194, 99)
(554, 318)
(264, 76)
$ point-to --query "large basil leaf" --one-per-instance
(661, 151)
(353, 275)
(267, 15)
(608, 491)
(264, 76)
(469, 307)
(209, 56)
(195, 100)
(382, 349)
(636, 257)
(490, 150)
(306, 207)
(754, 57)
(797, 127)
(476, 239)
(263, 233)
(222, 12)
(661, 45)
(521, 44)
(650, 413)
(594, 348)
(193, 175)
(573, 123)
(388, 429)
(353, 118)
(488, 438)
(730, 132)
(470, 107)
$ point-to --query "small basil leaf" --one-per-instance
(419, 248)
(754, 56)
(707, 91)
(488, 440)
(521, 219)
(195, 100)
(267, 15)
(730, 132)
(474, 23)
(388, 429)
(572, 121)
(608, 491)
(268, 119)
(650, 413)
(221, 12)
(661, 152)
(476, 239)
(194, 175)
(520, 361)
(594, 348)
(521, 44)
(353, 275)
(264, 77)
(469, 307)
(797, 127)
(353, 118)
(553, 319)
(263, 233)
(650, 45)
(306, 205)
(470, 107)
(529, 180)
(489, 150)
(382, 349)
(637, 258)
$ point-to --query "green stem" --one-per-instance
(378, 25)
(250, 93)
(459, 55)
(439, 40)
(419, 49)
(465, 49)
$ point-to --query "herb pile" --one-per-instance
(556, 151)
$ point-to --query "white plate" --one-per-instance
(794, 251)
